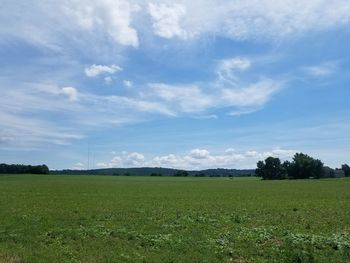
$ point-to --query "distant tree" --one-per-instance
(287, 167)
(23, 169)
(155, 174)
(304, 166)
(270, 169)
(181, 173)
(346, 169)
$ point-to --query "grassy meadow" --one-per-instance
(168, 219)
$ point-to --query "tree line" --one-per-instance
(23, 169)
(302, 166)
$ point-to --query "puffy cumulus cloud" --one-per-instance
(125, 159)
(277, 152)
(196, 159)
(169, 160)
(166, 19)
(230, 151)
(135, 159)
(111, 16)
(70, 93)
(199, 154)
(253, 154)
(78, 166)
(95, 70)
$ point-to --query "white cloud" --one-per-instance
(37, 113)
(203, 159)
(95, 70)
(254, 95)
(21, 130)
(230, 151)
(169, 160)
(253, 154)
(128, 83)
(78, 166)
(243, 97)
(70, 92)
(227, 68)
(186, 98)
(134, 159)
(103, 165)
(114, 17)
(242, 111)
(125, 159)
(199, 154)
(166, 19)
(196, 159)
(6, 138)
(322, 70)
(108, 80)
(264, 19)
(95, 26)
(277, 152)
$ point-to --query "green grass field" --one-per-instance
(158, 219)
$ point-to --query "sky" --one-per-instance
(181, 84)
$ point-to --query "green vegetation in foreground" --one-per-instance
(169, 219)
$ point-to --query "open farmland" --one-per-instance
(168, 219)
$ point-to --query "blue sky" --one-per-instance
(206, 84)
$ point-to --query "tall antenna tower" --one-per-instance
(88, 166)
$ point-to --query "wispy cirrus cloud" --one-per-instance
(118, 22)
(227, 68)
(228, 90)
(251, 19)
(184, 98)
(322, 70)
(28, 111)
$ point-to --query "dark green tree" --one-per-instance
(155, 174)
(346, 169)
(23, 169)
(181, 173)
(270, 169)
(304, 166)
